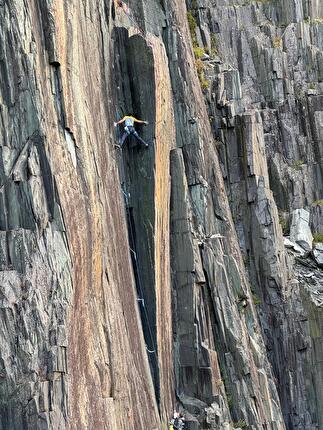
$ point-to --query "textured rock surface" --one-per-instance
(318, 254)
(120, 302)
(264, 97)
(68, 303)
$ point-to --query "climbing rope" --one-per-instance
(140, 288)
(140, 299)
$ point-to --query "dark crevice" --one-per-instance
(134, 90)
(39, 141)
(59, 99)
(149, 333)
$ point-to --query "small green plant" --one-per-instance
(311, 85)
(240, 424)
(283, 221)
(191, 21)
(307, 20)
(198, 52)
(318, 237)
(278, 42)
(204, 84)
(318, 20)
(200, 67)
(297, 165)
(256, 300)
(318, 202)
(192, 26)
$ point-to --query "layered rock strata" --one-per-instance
(123, 286)
(261, 65)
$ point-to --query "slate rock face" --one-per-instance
(123, 287)
(264, 96)
(72, 352)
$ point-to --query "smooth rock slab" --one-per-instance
(300, 231)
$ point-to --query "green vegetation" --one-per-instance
(318, 237)
(318, 203)
(198, 52)
(283, 221)
(297, 165)
(200, 67)
(256, 300)
(317, 20)
(278, 43)
(240, 424)
(192, 26)
(204, 84)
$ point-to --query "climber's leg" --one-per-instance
(140, 139)
(123, 138)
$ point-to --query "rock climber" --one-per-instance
(177, 423)
(129, 129)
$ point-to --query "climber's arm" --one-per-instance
(140, 121)
(120, 122)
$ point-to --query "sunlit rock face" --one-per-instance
(137, 281)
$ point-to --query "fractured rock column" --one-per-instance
(143, 87)
(218, 323)
(164, 141)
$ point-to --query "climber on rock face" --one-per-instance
(129, 129)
